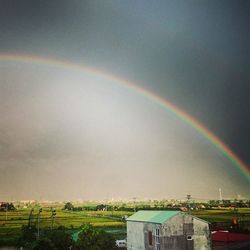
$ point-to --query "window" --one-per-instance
(150, 238)
(157, 236)
(157, 239)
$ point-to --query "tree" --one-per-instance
(105, 241)
(214, 202)
(61, 238)
(100, 207)
(91, 239)
(68, 206)
(56, 239)
(87, 238)
(6, 206)
(28, 235)
(44, 244)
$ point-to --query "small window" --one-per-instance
(157, 236)
(150, 238)
(189, 237)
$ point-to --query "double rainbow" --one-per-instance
(181, 114)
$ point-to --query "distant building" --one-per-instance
(159, 230)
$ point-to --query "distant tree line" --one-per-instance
(229, 203)
(6, 206)
(102, 207)
(157, 205)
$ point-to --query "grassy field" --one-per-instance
(223, 215)
(12, 221)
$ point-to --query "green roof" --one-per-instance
(158, 217)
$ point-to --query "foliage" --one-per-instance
(111, 221)
(11, 229)
(101, 207)
(58, 238)
(68, 206)
(78, 209)
(61, 238)
(28, 234)
(10, 241)
(6, 206)
(214, 202)
(43, 244)
(105, 241)
(91, 239)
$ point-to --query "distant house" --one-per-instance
(159, 230)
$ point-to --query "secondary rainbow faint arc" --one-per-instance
(184, 116)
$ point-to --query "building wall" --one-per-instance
(173, 234)
(202, 235)
(146, 228)
(135, 235)
(177, 229)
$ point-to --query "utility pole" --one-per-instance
(220, 195)
(6, 209)
(188, 201)
(106, 205)
(53, 211)
(134, 204)
(112, 210)
(38, 222)
(31, 211)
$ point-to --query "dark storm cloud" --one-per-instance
(195, 53)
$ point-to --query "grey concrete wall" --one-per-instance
(176, 230)
(173, 234)
(202, 235)
(135, 236)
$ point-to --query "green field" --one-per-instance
(224, 215)
(12, 221)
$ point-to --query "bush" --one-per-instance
(61, 238)
(91, 239)
(43, 244)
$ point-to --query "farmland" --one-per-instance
(224, 215)
(11, 222)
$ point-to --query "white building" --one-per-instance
(159, 230)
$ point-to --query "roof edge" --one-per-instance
(197, 218)
(153, 222)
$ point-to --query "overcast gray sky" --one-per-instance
(66, 134)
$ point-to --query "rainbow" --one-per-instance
(165, 104)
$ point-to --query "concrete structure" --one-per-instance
(159, 230)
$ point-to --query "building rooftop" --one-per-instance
(158, 217)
